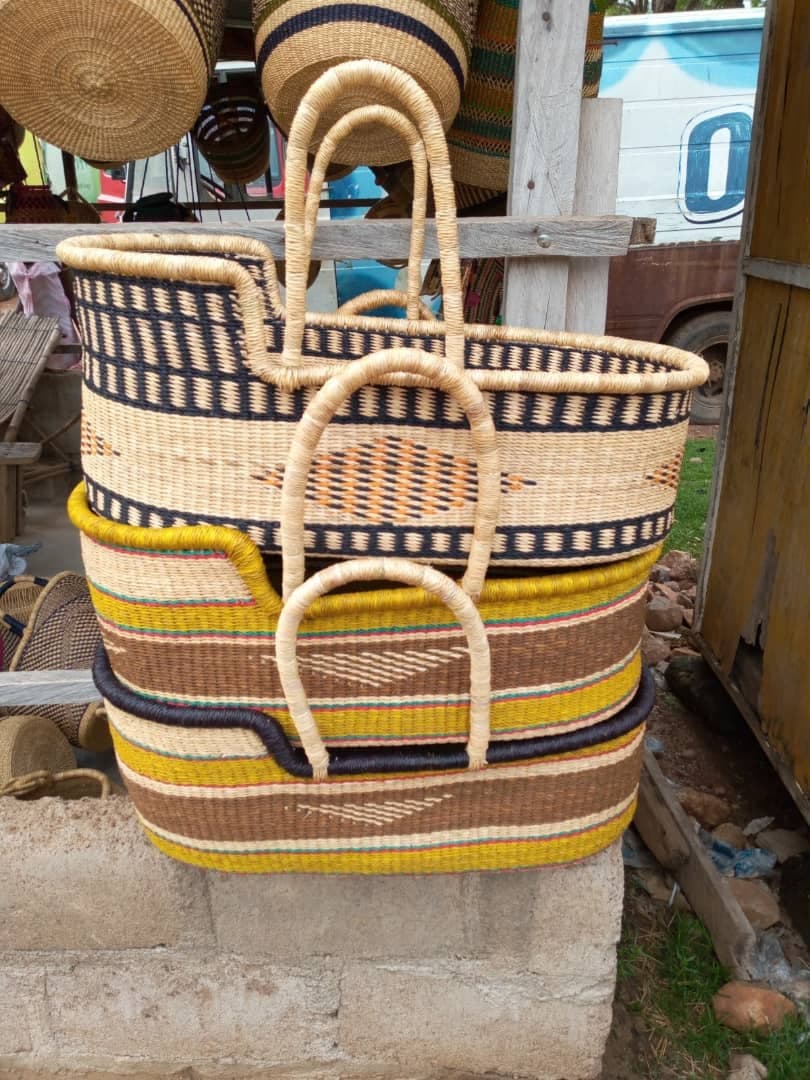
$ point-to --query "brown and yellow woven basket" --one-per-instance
(195, 377)
(108, 80)
(297, 40)
(232, 131)
(481, 136)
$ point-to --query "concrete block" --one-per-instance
(15, 1002)
(461, 1017)
(86, 878)
(184, 1007)
(301, 915)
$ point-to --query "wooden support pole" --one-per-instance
(545, 142)
(596, 187)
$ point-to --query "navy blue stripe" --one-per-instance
(565, 550)
(358, 13)
(351, 762)
(204, 45)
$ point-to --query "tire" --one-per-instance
(707, 335)
(7, 289)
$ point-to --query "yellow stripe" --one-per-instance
(494, 856)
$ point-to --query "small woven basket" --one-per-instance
(18, 595)
(29, 744)
(108, 80)
(297, 40)
(61, 634)
(232, 131)
(481, 136)
(35, 204)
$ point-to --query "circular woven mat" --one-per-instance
(31, 743)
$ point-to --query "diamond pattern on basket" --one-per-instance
(380, 668)
(375, 813)
(667, 474)
(393, 479)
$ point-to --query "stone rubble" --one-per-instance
(745, 1007)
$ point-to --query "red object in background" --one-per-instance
(113, 189)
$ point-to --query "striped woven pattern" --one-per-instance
(188, 617)
(179, 429)
(297, 40)
(108, 80)
(481, 136)
(232, 131)
(227, 791)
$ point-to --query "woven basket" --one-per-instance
(297, 40)
(108, 81)
(232, 131)
(195, 378)
(31, 743)
(481, 136)
(380, 666)
(35, 204)
(62, 634)
(18, 595)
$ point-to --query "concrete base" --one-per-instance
(116, 961)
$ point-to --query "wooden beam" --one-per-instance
(796, 274)
(519, 238)
(24, 688)
(545, 140)
(657, 825)
(597, 184)
(711, 898)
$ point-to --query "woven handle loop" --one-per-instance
(409, 573)
(378, 114)
(379, 297)
(322, 408)
(337, 83)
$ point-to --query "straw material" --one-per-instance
(17, 599)
(481, 136)
(232, 131)
(108, 81)
(297, 40)
(227, 791)
(62, 635)
(71, 784)
(29, 744)
(188, 617)
(35, 204)
(195, 377)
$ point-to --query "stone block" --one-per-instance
(86, 878)
(15, 1001)
(461, 1017)
(191, 1007)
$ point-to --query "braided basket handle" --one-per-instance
(379, 114)
(390, 569)
(441, 374)
(340, 82)
(379, 297)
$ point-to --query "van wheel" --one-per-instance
(707, 335)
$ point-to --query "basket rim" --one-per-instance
(246, 558)
(203, 261)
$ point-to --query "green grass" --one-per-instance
(674, 974)
(692, 504)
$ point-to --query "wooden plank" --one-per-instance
(743, 702)
(545, 142)
(709, 894)
(773, 270)
(732, 359)
(659, 830)
(516, 237)
(9, 520)
(780, 229)
(595, 193)
(19, 453)
(24, 688)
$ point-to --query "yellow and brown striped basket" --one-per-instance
(108, 81)
(211, 758)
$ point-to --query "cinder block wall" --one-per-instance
(114, 960)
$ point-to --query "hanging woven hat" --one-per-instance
(18, 595)
(232, 131)
(297, 40)
(29, 744)
(481, 136)
(62, 634)
(110, 80)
